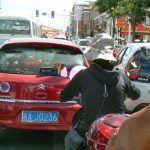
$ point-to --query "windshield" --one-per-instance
(3, 41)
(84, 43)
(30, 60)
(14, 26)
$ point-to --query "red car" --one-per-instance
(30, 83)
(102, 129)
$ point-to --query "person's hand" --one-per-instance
(57, 66)
(75, 98)
(61, 69)
(78, 99)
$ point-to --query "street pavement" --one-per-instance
(12, 139)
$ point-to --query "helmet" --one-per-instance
(105, 56)
(101, 44)
(100, 41)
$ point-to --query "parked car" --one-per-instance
(102, 129)
(83, 43)
(30, 83)
(134, 61)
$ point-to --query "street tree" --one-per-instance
(135, 11)
(109, 6)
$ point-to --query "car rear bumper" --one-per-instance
(11, 113)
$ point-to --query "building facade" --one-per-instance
(87, 21)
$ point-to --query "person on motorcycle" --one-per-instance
(91, 83)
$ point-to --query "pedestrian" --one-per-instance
(91, 83)
(134, 133)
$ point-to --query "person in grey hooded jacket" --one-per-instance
(90, 83)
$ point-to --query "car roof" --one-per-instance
(59, 42)
(83, 39)
(139, 44)
(136, 46)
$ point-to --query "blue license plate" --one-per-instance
(40, 116)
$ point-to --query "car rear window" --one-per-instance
(30, 59)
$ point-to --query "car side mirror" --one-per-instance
(133, 70)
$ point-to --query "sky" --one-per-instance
(28, 8)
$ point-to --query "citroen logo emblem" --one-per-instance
(40, 87)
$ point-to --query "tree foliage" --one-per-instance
(134, 10)
(109, 6)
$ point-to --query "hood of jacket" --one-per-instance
(108, 77)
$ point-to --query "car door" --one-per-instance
(141, 79)
(141, 59)
(123, 58)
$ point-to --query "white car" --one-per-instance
(134, 61)
(83, 43)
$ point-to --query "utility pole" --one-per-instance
(129, 31)
(77, 23)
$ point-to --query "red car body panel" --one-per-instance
(36, 93)
(29, 87)
(11, 115)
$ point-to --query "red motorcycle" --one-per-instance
(102, 129)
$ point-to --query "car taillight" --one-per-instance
(98, 139)
(106, 130)
(102, 129)
(115, 52)
(101, 141)
(143, 105)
